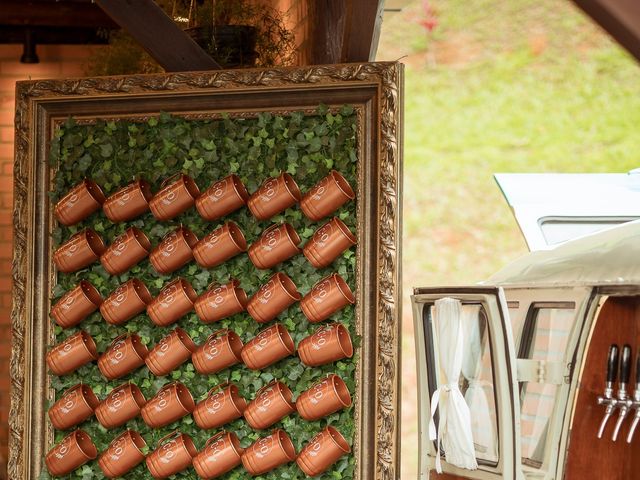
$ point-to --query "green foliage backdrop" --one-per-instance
(115, 152)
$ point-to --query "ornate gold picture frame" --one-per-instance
(373, 90)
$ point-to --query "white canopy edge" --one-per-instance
(608, 257)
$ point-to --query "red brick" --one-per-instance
(6, 134)
(7, 168)
(74, 69)
(8, 83)
(6, 184)
(25, 70)
(6, 252)
(7, 117)
(10, 51)
(5, 286)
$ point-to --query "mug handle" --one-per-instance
(175, 281)
(218, 387)
(81, 384)
(169, 435)
(167, 386)
(169, 179)
(215, 437)
(217, 333)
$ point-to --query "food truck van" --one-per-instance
(535, 373)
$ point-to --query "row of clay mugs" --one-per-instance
(179, 193)
(177, 248)
(221, 350)
(325, 298)
(221, 454)
(221, 405)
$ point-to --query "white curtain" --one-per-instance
(482, 425)
(454, 426)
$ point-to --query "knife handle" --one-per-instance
(612, 363)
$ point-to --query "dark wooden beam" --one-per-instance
(362, 30)
(621, 18)
(53, 14)
(159, 35)
(344, 30)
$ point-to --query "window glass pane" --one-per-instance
(558, 230)
(549, 342)
(476, 381)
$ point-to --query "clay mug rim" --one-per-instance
(340, 388)
(140, 290)
(236, 235)
(285, 338)
(344, 288)
(285, 444)
(239, 187)
(89, 343)
(344, 339)
(140, 238)
(287, 285)
(291, 186)
(338, 439)
(94, 190)
(342, 184)
(94, 241)
(184, 339)
(83, 440)
(89, 291)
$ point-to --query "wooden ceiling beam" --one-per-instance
(620, 18)
(362, 30)
(53, 14)
(159, 35)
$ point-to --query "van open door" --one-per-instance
(472, 322)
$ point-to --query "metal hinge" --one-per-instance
(542, 371)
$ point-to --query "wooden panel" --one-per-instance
(588, 456)
(445, 476)
(53, 14)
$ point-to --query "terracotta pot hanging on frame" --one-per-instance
(323, 398)
(170, 352)
(221, 301)
(326, 297)
(277, 243)
(221, 350)
(72, 353)
(174, 301)
(322, 451)
(178, 194)
(222, 405)
(326, 196)
(174, 251)
(125, 302)
(76, 305)
(273, 402)
(326, 345)
(79, 202)
(220, 245)
(74, 406)
(268, 347)
(80, 251)
(221, 454)
(222, 198)
(268, 453)
(274, 196)
(125, 251)
(123, 453)
(73, 451)
(128, 202)
(272, 298)
(125, 354)
(174, 453)
(121, 405)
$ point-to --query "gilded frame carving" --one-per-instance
(375, 89)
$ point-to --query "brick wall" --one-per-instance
(56, 61)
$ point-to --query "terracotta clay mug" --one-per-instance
(326, 196)
(222, 405)
(128, 202)
(172, 402)
(276, 244)
(221, 454)
(76, 305)
(121, 405)
(326, 297)
(80, 251)
(174, 453)
(125, 302)
(220, 245)
(170, 352)
(268, 453)
(274, 196)
(221, 301)
(79, 202)
(269, 346)
(322, 451)
(272, 403)
(72, 353)
(328, 242)
(221, 350)
(222, 198)
(74, 406)
(126, 353)
(174, 251)
(326, 345)
(74, 450)
(273, 298)
(122, 454)
(174, 301)
(178, 194)
(324, 398)
(125, 251)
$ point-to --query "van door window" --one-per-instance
(476, 380)
(545, 337)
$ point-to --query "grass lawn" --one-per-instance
(499, 86)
